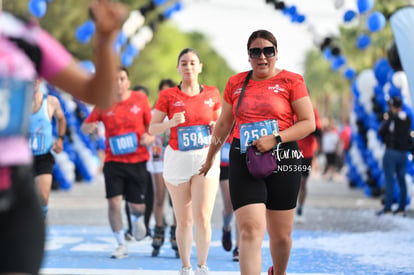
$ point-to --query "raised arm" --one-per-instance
(96, 89)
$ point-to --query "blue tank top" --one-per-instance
(40, 131)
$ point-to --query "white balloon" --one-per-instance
(339, 4)
(366, 81)
(399, 79)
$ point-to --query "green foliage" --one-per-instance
(156, 61)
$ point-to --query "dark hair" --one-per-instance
(396, 101)
(262, 34)
(188, 50)
(124, 69)
(166, 81)
(141, 88)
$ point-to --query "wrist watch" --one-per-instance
(277, 137)
(61, 137)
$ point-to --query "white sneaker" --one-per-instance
(138, 228)
(299, 219)
(186, 271)
(120, 252)
(201, 270)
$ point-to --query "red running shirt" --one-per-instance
(130, 115)
(199, 109)
(264, 100)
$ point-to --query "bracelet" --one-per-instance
(61, 137)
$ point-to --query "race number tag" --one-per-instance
(225, 151)
(193, 137)
(255, 130)
(15, 106)
(37, 143)
(123, 144)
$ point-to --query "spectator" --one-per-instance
(395, 131)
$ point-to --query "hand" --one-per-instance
(147, 139)
(90, 128)
(108, 16)
(205, 167)
(212, 124)
(58, 145)
(265, 143)
(177, 119)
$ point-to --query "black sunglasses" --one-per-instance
(255, 53)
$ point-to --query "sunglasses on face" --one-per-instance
(255, 53)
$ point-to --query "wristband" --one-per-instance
(277, 137)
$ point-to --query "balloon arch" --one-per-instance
(371, 88)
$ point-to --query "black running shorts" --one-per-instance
(22, 226)
(278, 191)
(127, 179)
(43, 164)
(224, 173)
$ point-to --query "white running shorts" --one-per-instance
(180, 166)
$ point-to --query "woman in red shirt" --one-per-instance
(192, 111)
(265, 119)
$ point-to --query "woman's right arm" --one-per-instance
(159, 126)
(220, 135)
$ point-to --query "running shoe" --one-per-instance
(139, 229)
(226, 240)
(129, 237)
(384, 212)
(400, 213)
(299, 219)
(202, 270)
(270, 271)
(236, 254)
(186, 271)
(120, 252)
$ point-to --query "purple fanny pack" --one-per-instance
(260, 165)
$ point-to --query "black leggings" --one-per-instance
(22, 226)
(279, 191)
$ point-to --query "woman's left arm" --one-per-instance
(305, 123)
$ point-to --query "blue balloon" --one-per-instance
(355, 90)
(365, 5)
(327, 53)
(37, 8)
(85, 31)
(292, 10)
(159, 2)
(301, 18)
(349, 73)
(338, 62)
(394, 91)
(349, 15)
(121, 39)
(381, 70)
(127, 57)
(363, 41)
(178, 6)
(376, 21)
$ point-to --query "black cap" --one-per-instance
(396, 101)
